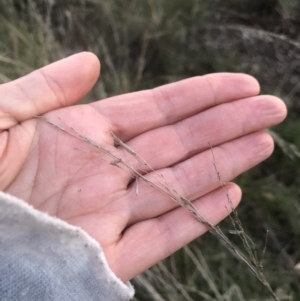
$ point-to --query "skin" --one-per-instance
(170, 127)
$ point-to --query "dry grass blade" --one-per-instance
(252, 262)
(258, 33)
(15, 63)
(204, 271)
(141, 280)
(290, 149)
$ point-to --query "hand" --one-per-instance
(170, 127)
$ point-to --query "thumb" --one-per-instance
(58, 85)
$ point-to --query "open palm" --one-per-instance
(170, 127)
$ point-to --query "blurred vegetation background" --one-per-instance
(142, 44)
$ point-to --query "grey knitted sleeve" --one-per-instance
(44, 258)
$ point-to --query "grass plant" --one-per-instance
(252, 261)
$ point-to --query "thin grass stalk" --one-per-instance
(253, 264)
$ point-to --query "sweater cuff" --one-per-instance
(45, 258)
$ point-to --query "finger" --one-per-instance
(135, 113)
(171, 144)
(58, 85)
(197, 176)
(150, 241)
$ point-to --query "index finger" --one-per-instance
(135, 113)
(57, 85)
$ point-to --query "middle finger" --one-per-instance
(175, 143)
